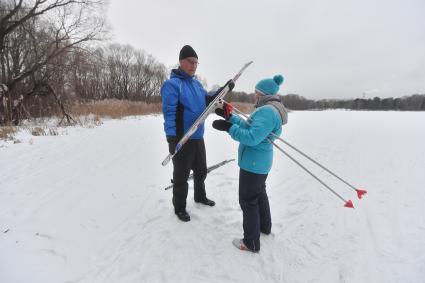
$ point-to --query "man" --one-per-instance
(255, 157)
(183, 101)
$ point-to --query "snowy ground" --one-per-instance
(89, 206)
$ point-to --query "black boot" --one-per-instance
(183, 216)
(206, 201)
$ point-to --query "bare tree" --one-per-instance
(33, 34)
(120, 72)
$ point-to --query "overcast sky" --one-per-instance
(323, 48)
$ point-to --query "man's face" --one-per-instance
(189, 65)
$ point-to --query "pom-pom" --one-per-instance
(278, 79)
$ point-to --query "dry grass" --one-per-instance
(120, 108)
(6, 133)
(115, 108)
(37, 131)
(44, 131)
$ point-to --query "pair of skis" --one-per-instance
(209, 109)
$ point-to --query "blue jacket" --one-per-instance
(255, 153)
(183, 101)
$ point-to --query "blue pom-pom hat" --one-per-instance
(269, 86)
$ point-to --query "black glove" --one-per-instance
(221, 125)
(172, 142)
(220, 112)
(231, 85)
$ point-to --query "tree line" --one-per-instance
(415, 102)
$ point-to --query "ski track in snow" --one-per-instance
(89, 206)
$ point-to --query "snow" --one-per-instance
(88, 205)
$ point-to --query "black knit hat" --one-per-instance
(186, 52)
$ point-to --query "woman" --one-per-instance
(255, 156)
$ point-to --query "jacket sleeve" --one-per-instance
(234, 119)
(261, 126)
(170, 99)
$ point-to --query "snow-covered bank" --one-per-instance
(89, 206)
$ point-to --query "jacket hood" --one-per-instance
(276, 103)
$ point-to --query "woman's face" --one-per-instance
(257, 96)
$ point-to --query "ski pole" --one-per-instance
(209, 169)
(360, 192)
(347, 203)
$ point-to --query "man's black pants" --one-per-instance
(192, 156)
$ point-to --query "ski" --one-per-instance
(210, 108)
(209, 169)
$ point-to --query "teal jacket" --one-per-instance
(255, 153)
